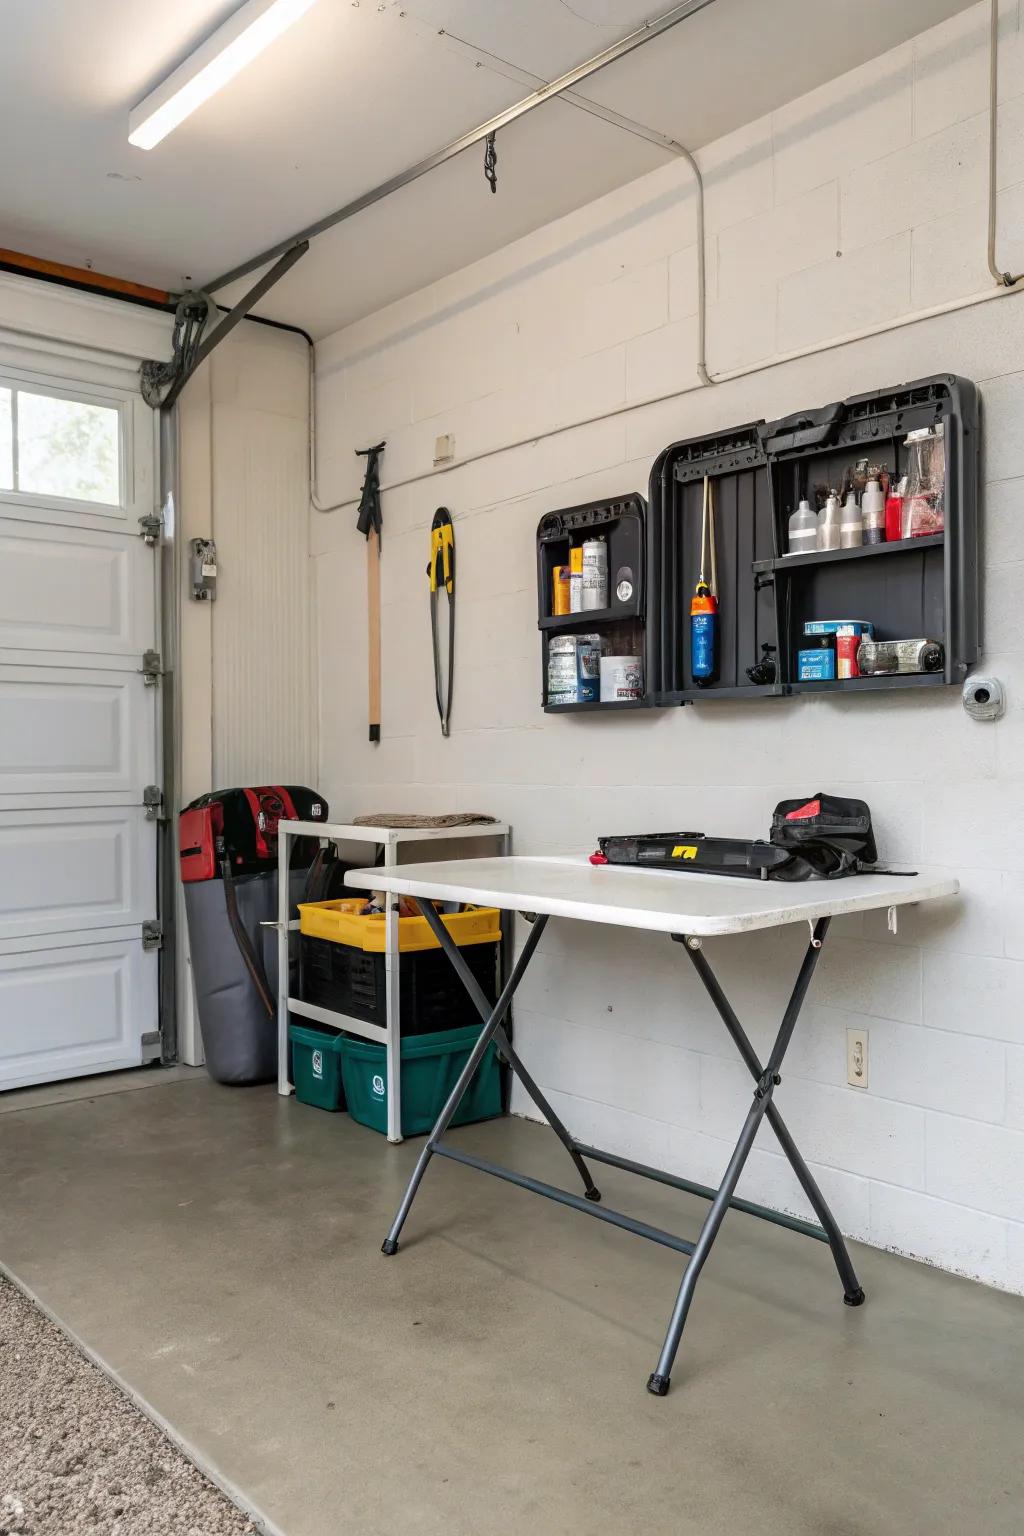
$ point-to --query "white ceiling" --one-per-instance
(353, 93)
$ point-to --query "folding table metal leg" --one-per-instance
(853, 1294)
(504, 1044)
(491, 1027)
(767, 1079)
(392, 1005)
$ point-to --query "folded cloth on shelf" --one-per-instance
(399, 821)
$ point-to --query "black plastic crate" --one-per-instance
(431, 996)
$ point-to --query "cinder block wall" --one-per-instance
(850, 207)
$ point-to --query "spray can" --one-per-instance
(576, 579)
(873, 510)
(847, 646)
(703, 635)
(560, 592)
(595, 575)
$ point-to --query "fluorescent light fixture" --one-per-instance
(241, 39)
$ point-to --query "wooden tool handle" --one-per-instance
(373, 631)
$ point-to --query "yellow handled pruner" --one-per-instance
(441, 571)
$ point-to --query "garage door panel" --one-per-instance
(71, 591)
(72, 1011)
(64, 729)
(78, 725)
(66, 871)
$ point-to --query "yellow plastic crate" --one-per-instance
(340, 922)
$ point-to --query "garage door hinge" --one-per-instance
(151, 669)
(153, 799)
(150, 528)
(152, 934)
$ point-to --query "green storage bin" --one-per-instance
(430, 1066)
(317, 1066)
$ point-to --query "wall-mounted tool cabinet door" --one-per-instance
(734, 464)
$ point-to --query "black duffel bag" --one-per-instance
(826, 838)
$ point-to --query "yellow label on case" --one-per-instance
(684, 851)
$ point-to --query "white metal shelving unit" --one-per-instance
(391, 838)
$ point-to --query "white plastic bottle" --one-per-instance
(851, 527)
(803, 530)
(829, 520)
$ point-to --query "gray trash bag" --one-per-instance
(239, 1037)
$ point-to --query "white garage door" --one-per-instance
(78, 730)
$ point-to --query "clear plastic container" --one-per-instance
(803, 530)
(829, 520)
(925, 494)
(851, 526)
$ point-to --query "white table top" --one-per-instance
(659, 900)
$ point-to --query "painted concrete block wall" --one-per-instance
(851, 207)
(248, 658)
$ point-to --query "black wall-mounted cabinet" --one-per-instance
(922, 587)
(620, 521)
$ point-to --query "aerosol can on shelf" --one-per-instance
(873, 513)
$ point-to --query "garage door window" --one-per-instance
(54, 446)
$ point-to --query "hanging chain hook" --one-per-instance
(491, 162)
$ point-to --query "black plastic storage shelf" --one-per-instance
(621, 521)
(925, 587)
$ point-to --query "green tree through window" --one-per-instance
(67, 448)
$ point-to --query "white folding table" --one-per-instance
(689, 908)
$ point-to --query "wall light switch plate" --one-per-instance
(857, 1058)
(444, 448)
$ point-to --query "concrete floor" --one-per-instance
(219, 1249)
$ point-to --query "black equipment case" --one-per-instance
(823, 838)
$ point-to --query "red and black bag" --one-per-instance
(826, 837)
(240, 826)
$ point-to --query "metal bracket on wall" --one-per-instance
(153, 800)
(151, 668)
(226, 325)
(152, 934)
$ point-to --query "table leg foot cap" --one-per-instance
(854, 1298)
(389, 1245)
(658, 1385)
(592, 1194)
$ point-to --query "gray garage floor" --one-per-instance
(219, 1250)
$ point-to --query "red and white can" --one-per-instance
(847, 643)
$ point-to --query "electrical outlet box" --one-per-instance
(857, 1058)
(444, 448)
